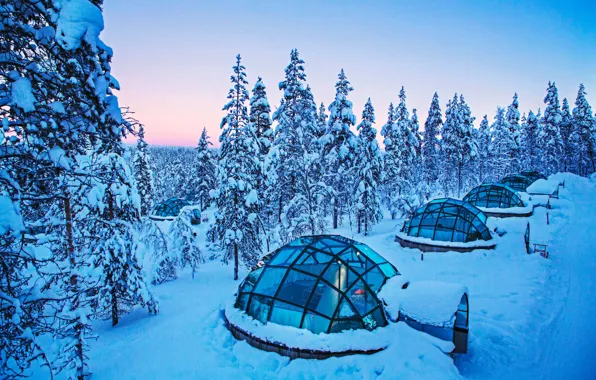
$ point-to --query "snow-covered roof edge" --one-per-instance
(439, 243)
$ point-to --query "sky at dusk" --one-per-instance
(174, 58)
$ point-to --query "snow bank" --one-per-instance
(78, 20)
(543, 187)
(428, 302)
(439, 243)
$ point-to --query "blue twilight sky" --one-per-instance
(173, 58)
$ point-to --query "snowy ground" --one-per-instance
(530, 317)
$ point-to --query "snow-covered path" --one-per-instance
(570, 347)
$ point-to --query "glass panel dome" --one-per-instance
(448, 219)
(493, 195)
(533, 176)
(517, 182)
(169, 208)
(324, 284)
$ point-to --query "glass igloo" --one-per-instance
(325, 284)
(449, 220)
(533, 176)
(494, 195)
(517, 182)
(169, 209)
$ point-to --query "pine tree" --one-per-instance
(237, 197)
(566, 128)
(206, 170)
(294, 165)
(144, 175)
(531, 145)
(404, 157)
(339, 149)
(457, 145)
(501, 146)
(584, 135)
(183, 243)
(430, 144)
(260, 116)
(550, 136)
(321, 121)
(483, 141)
(369, 173)
(390, 140)
(512, 118)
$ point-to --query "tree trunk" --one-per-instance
(335, 213)
(358, 220)
(114, 306)
(235, 261)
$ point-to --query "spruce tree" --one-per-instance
(550, 137)
(237, 197)
(143, 173)
(391, 141)
(369, 173)
(339, 149)
(321, 120)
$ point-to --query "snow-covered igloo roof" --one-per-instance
(448, 219)
(324, 283)
(517, 182)
(170, 208)
(494, 195)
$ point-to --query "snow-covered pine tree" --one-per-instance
(456, 145)
(294, 169)
(206, 170)
(369, 175)
(430, 146)
(403, 156)
(512, 118)
(321, 121)
(469, 136)
(550, 137)
(58, 103)
(237, 197)
(114, 205)
(584, 135)
(566, 128)
(530, 144)
(501, 146)
(339, 149)
(483, 141)
(260, 116)
(183, 243)
(143, 173)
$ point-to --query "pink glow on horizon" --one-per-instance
(174, 62)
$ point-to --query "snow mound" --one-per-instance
(428, 302)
